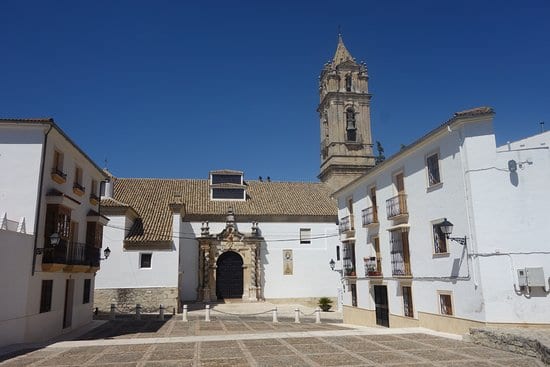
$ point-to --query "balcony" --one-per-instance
(71, 257)
(369, 216)
(78, 189)
(400, 264)
(373, 266)
(58, 176)
(346, 228)
(94, 200)
(396, 207)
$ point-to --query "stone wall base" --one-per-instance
(127, 298)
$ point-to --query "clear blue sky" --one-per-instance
(176, 89)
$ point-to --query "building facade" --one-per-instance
(207, 240)
(50, 233)
(399, 266)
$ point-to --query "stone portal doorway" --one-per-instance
(229, 275)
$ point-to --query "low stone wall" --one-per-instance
(312, 302)
(127, 298)
(522, 341)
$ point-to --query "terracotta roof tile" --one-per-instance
(151, 198)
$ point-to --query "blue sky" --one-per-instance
(174, 89)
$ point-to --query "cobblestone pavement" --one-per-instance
(255, 342)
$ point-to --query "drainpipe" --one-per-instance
(39, 199)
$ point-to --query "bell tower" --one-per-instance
(344, 111)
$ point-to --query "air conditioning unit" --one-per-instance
(531, 277)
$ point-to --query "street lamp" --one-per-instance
(54, 241)
(332, 264)
(106, 253)
(447, 229)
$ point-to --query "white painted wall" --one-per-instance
(485, 202)
(122, 269)
(20, 155)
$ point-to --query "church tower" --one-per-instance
(344, 111)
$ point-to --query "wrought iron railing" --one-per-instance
(396, 206)
(345, 224)
(369, 215)
(399, 265)
(72, 253)
(59, 172)
(373, 266)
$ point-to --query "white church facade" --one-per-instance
(177, 241)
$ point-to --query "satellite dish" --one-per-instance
(512, 165)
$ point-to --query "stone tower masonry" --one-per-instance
(344, 111)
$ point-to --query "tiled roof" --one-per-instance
(30, 119)
(151, 198)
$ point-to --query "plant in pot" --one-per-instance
(325, 303)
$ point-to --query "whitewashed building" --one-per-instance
(180, 240)
(50, 231)
(399, 267)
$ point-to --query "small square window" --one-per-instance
(440, 240)
(145, 261)
(46, 296)
(305, 235)
(445, 304)
(432, 163)
(87, 290)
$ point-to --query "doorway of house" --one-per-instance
(229, 276)
(68, 310)
(381, 303)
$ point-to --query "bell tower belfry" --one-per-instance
(344, 111)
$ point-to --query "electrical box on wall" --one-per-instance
(535, 277)
(531, 277)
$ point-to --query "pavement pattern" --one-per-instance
(259, 342)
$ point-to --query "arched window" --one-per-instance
(348, 83)
(351, 129)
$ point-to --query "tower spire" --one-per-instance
(342, 54)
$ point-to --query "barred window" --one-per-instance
(432, 162)
(46, 296)
(305, 235)
(440, 240)
(87, 290)
(407, 302)
(446, 305)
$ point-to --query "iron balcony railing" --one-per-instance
(399, 266)
(396, 206)
(373, 266)
(369, 215)
(345, 224)
(72, 253)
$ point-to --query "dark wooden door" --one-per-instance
(381, 301)
(229, 276)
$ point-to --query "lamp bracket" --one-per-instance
(461, 240)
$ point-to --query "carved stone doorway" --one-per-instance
(229, 276)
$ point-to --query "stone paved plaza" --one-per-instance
(259, 342)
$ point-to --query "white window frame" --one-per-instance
(305, 236)
(429, 184)
(150, 260)
(440, 305)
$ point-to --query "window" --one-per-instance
(46, 296)
(58, 161)
(236, 194)
(407, 302)
(145, 261)
(351, 129)
(94, 188)
(440, 240)
(58, 219)
(305, 235)
(338, 253)
(348, 257)
(348, 83)
(227, 178)
(94, 234)
(445, 304)
(432, 164)
(353, 288)
(87, 290)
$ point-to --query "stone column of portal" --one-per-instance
(252, 289)
(258, 273)
(206, 276)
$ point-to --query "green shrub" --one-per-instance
(325, 303)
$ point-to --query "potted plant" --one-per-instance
(325, 303)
